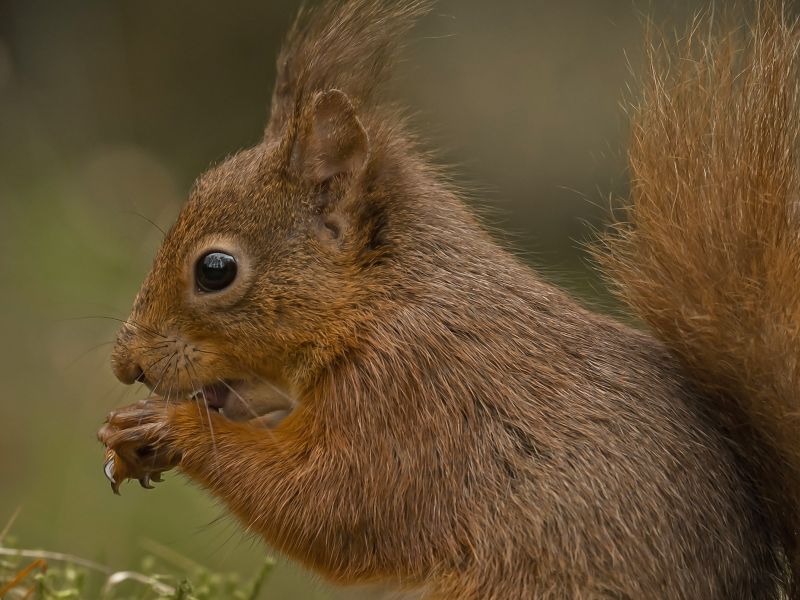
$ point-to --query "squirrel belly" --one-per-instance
(407, 406)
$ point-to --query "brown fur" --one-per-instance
(462, 427)
(710, 255)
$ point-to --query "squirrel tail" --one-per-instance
(709, 253)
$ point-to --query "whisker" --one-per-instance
(208, 414)
(108, 394)
(195, 392)
(154, 363)
(146, 329)
(254, 413)
(128, 390)
(72, 364)
(154, 348)
(129, 321)
(163, 234)
(141, 216)
(254, 374)
(172, 381)
(245, 402)
(163, 371)
(152, 391)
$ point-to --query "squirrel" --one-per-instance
(340, 352)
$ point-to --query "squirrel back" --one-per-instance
(709, 255)
(456, 426)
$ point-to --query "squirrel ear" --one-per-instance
(332, 140)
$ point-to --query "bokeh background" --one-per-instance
(109, 109)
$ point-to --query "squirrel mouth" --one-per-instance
(215, 396)
(260, 403)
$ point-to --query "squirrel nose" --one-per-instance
(128, 373)
(124, 359)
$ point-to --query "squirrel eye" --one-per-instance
(215, 271)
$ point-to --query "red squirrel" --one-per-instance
(340, 353)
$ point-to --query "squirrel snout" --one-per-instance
(124, 362)
(128, 373)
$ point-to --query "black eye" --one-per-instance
(215, 271)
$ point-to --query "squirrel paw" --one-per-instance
(137, 442)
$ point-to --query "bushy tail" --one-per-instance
(710, 254)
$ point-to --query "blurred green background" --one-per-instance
(108, 111)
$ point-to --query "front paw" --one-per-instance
(139, 443)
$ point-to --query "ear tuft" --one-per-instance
(332, 141)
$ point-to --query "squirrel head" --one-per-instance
(271, 262)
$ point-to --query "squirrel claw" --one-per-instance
(108, 470)
(136, 448)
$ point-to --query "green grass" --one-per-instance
(162, 575)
